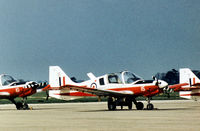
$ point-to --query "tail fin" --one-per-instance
(188, 76)
(57, 77)
(192, 78)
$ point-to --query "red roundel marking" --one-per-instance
(17, 90)
(93, 85)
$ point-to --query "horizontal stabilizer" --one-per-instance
(91, 75)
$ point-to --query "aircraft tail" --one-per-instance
(188, 76)
(57, 77)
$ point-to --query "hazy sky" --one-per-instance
(99, 36)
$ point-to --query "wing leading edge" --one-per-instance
(98, 92)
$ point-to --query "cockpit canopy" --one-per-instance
(6, 80)
(125, 77)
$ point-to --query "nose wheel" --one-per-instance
(149, 105)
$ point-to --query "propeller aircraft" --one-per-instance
(121, 88)
(11, 88)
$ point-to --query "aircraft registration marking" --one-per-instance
(142, 88)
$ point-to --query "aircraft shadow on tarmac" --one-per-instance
(33, 109)
(156, 109)
(100, 110)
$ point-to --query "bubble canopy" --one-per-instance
(7, 80)
(124, 77)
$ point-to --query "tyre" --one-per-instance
(130, 106)
(25, 107)
(129, 103)
(111, 105)
(150, 106)
(19, 106)
(139, 106)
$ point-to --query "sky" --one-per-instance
(99, 36)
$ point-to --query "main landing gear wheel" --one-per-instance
(150, 106)
(25, 106)
(129, 103)
(111, 104)
(139, 106)
(19, 105)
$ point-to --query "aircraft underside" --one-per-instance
(23, 105)
(113, 102)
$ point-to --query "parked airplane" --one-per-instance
(121, 88)
(11, 88)
(191, 84)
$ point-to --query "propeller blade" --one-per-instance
(47, 95)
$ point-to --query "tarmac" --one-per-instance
(94, 116)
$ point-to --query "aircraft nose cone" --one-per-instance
(162, 84)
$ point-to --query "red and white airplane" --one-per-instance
(190, 80)
(11, 88)
(121, 88)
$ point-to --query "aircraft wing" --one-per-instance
(179, 87)
(4, 94)
(42, 86)
(98, 92)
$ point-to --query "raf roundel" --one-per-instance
(93, 85)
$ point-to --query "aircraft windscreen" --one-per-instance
(6, 80)
(130, 77)
(197, 73)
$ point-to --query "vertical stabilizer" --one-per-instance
(187, 76)
(57, 77)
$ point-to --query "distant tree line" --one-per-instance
(171, 77)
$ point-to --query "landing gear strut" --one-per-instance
(149, 105)
(113, 102)
(21, 105)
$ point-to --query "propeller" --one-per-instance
(47, 95)
(167, 91)
(31, 84)
(160, 83)
(155, 79)
(164, 86)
